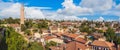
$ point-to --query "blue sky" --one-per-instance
(68, 9)
(54, 4)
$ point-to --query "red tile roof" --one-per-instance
(54, 27)
(119, 47)
(71, 35)
(71, 46)
(81, 40)
(57, 34)
(14, 25)
(55, 48)
(75, 45)
(48, 37)
(102, 43)
(66, 23)
(84, 33)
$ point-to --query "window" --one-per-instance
(106, 49)
(78, 48)
(64, 48)
(49, 49)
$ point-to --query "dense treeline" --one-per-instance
(36, 26)
(14, 41)
(9, 20)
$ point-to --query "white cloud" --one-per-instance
(56, 16)
(97, 5)
(11, 11)
(14, 11)
(115, 11)
(70, 11)
(41, 7)
(69, 8)
(117, 7)
(109, 20)
(100, 19)
(112, 12)
(33, 13)
(3, 5)
(119, 19)
(84, 18)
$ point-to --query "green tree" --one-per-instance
(51, 43)
(72, 30)
(14, 41)
(117, 41)
(10, 20)
(27, 32)
(23, 27)
(35, 30)
(35, 25)
(0, 37)
(42, 25)
(34, 46)
(110, 34)
(29, 24)
(100, 31)
(87, 29)
(3, 45)
(0, 21)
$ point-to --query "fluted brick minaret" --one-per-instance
(22, 18)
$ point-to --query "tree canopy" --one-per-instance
(51, 43)
(15, 41)
(110, 34)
